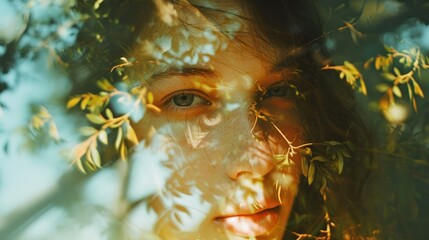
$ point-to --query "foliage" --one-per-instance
(389, 75)
(100, 114)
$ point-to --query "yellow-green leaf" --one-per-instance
(363, 87)
(340, 163)
(382, 87)
(118, 139)
(150, 97)
(389, 76)
(131, 135)
(319, 158)
(79, 165)
(397, 91)
(95, 155)
(417, 90)
(109, 113)
(123, 151)
(84, 102)
(106, 85)
(97, 119)
(87, 131)
(396, 71)
(73, 102)
(102, 136)
(36, 122)
(311, 174)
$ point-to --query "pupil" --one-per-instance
(183, 100)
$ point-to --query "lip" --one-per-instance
(251, 224)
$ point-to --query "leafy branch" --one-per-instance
(331, 159)
(40, 120)
(102, 116)
(352, 75)
(412, 61)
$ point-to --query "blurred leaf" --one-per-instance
(340, 163)
(106, 85)
(311, 174)
(131, 135)
(118, 139)
(109, 113)
(102, 136)
(397, 91)
(150, 97)
(123, 151)
(73, 102)
(53, 131)
(95, 154)
(319, 158)
(304, 166)
(87, 131)
(97, 119)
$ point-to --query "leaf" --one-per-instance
(396, 71)
(388, 76)
(36, 122)
(150, 97)
(131, 135)
(311, 173)
(333, 143)
(363, 87)
(304, 166)
(95, 155)
(306, 151)
(417, 90)
(389, 49)
(84, 102)
(397, 91)
(319, 158)
(87, 131)
(109, 113)
(97, 119)
(106, 85)
(53, 131)
(79, 165)
(118, 139)
(73, 102)
(410, 92)
(340, 163)
(382, 87)
(377, 63)
(102, 136)
(153, 107)
(123, 151)
(345, 152)
(368, 63)
(415, 105)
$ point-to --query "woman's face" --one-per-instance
(216, 149)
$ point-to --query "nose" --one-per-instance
(252, 157)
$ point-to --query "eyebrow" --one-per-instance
(174, 71)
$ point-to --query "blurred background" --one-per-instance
(43, 195)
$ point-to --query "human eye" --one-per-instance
(281, 90)
(185, 100)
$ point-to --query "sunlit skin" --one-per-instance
(220, 125)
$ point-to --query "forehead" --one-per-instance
(191, 34)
